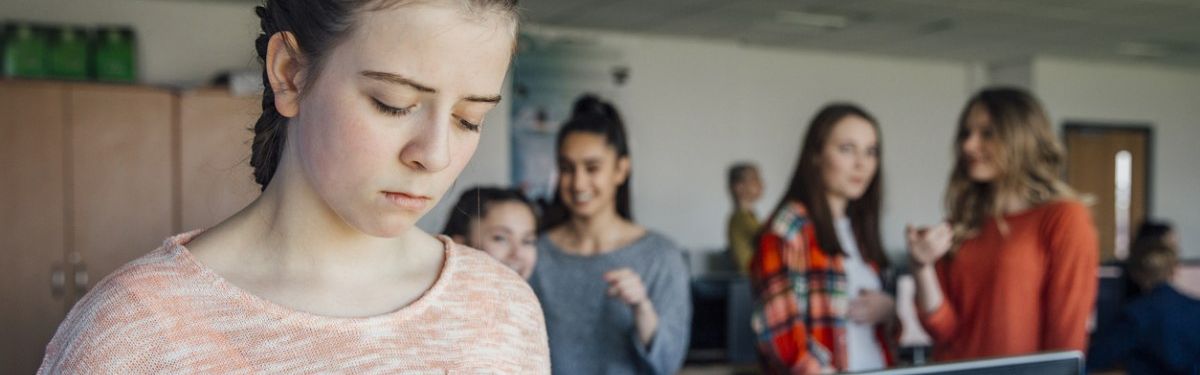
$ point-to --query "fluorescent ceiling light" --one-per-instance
(1139, 49)
(817, 20)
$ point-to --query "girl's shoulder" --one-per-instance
(126, 312)
(789, 220)
(483, 278)
(1064, 214)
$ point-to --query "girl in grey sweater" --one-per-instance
(615, 295)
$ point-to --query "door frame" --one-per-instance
(1140, 127)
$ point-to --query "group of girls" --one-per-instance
(1012, 269)
(615, 294)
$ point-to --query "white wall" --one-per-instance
(695, 107)
(180, 42)
(1169, 99)
(1019, 74)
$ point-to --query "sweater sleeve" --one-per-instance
(941, 323)
(109, 331)
(780, 309)
(1070, 290)
(538, 344)
(670, 293)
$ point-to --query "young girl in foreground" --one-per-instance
(371, 110)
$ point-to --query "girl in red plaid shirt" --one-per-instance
(819, 303)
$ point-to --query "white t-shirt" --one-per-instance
(862, 349)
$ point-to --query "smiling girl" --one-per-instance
(1014, 269)
(615, 294)
(501, 222)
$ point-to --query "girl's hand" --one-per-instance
(625, 284)
(871, 307)
(928, 244)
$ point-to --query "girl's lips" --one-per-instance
(407, 201)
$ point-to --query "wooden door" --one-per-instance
(32, 142)
(1110, 165)
(121, 171)
(215, 173)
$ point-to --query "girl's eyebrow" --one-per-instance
(401, 80)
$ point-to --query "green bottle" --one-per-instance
(115, 55)
(24, 51)
(68, 54)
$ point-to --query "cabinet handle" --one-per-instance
(58, 281)
(81, 279)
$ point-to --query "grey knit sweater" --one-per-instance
(592, 333)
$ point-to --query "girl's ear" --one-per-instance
(284, 72)
(623, 166)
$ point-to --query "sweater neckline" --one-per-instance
(177, 246)
(623, 249)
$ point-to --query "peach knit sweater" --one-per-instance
(167, 313)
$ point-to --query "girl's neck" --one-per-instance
(598, 234)
(1013, 203)
(290, 227)
(837, 206)
(743, 205)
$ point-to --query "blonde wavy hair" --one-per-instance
(1029, 158)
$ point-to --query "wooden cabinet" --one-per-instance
(93, 176)
(120, 175)
(215, 134)
(33, 285)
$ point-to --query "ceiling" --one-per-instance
(1158, 31)
(993, 31)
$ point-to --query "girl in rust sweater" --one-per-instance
(1014, 269)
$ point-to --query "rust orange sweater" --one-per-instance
(1028, 291)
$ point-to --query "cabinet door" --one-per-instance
(121, 175)
(31, 221)
(214, 147)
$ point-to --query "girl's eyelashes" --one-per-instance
(468, 125)
(393, 111)
(389, 110)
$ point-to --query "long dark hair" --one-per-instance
(592, 115)
(474, 203)
(808, 187)
(318, 26)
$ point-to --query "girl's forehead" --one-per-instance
(585, 143)
(436, 43)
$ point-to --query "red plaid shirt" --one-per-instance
(800, 298)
